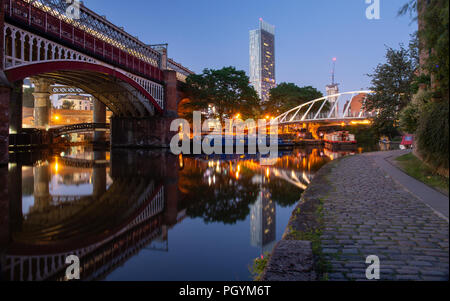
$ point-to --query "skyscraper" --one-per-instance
(262, 59)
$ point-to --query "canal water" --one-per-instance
(149, 215)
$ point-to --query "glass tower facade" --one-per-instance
(262, 59)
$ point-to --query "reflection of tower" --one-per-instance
(333, 89)
(99, 175)
(263, 221)
(41, 186)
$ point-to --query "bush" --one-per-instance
(433, 135)
(410, 116)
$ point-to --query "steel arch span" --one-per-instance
(326, 109)
(126, 94)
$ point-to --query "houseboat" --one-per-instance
(341, 140)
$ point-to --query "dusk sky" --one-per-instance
(309, 33)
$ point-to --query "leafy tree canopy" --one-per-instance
(288, 95)
(68, 105)
(392, 83)
(227, 90)
(434, 39)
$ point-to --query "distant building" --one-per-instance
(81, 103)
(356, 107)
(333, 89)
(262, 59)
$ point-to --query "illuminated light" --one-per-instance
(237, 175)
(56, 165)
(180, 158)
(267, 173)
(238, 116)
(364, 122)
(343, 124)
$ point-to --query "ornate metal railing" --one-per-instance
(91, 33)
(326, 109)
(182, 72)
(74, 128)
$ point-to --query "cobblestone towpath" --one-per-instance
(367, 213)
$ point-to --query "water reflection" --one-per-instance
(114, 210)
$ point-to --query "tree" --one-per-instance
(226, 90)
(392, 83)
(28, 98)
(434, 40)
(227, 201)
(67, 105)
(287, 96)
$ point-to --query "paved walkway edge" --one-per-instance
(436, 201)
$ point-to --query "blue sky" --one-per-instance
(309, 33)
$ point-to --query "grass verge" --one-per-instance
(417, 169)
(259, 265)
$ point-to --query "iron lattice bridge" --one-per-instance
(326, 110)
(79, 128)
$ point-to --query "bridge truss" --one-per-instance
(326, 109)
(39, 36)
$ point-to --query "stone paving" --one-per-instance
(369, 214)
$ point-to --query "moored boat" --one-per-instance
(341, 140)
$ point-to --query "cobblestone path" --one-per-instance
(369, 214)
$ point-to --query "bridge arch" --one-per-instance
(326, 109)
(126, 94)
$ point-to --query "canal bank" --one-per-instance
(355, 208)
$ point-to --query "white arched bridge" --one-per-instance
(326, 110)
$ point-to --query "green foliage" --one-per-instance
(67, 105)
(422, 172)
(28, 98)
(259, 265)
(366, 135)
(435, 41)
(282, 196)
(392, 82)
(227, 89)
(410, 116)
(433, 134)
(287, 96)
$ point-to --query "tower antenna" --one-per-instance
(334, 70)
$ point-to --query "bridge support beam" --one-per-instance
(99, 176)
(15, 196)
(42, 105)
(99, 117)
(4, 209)
(15, 108)
(151, 131)
(41, 186)
(171, 192)
(4, 124)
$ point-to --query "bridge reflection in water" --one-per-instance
(107, 208)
